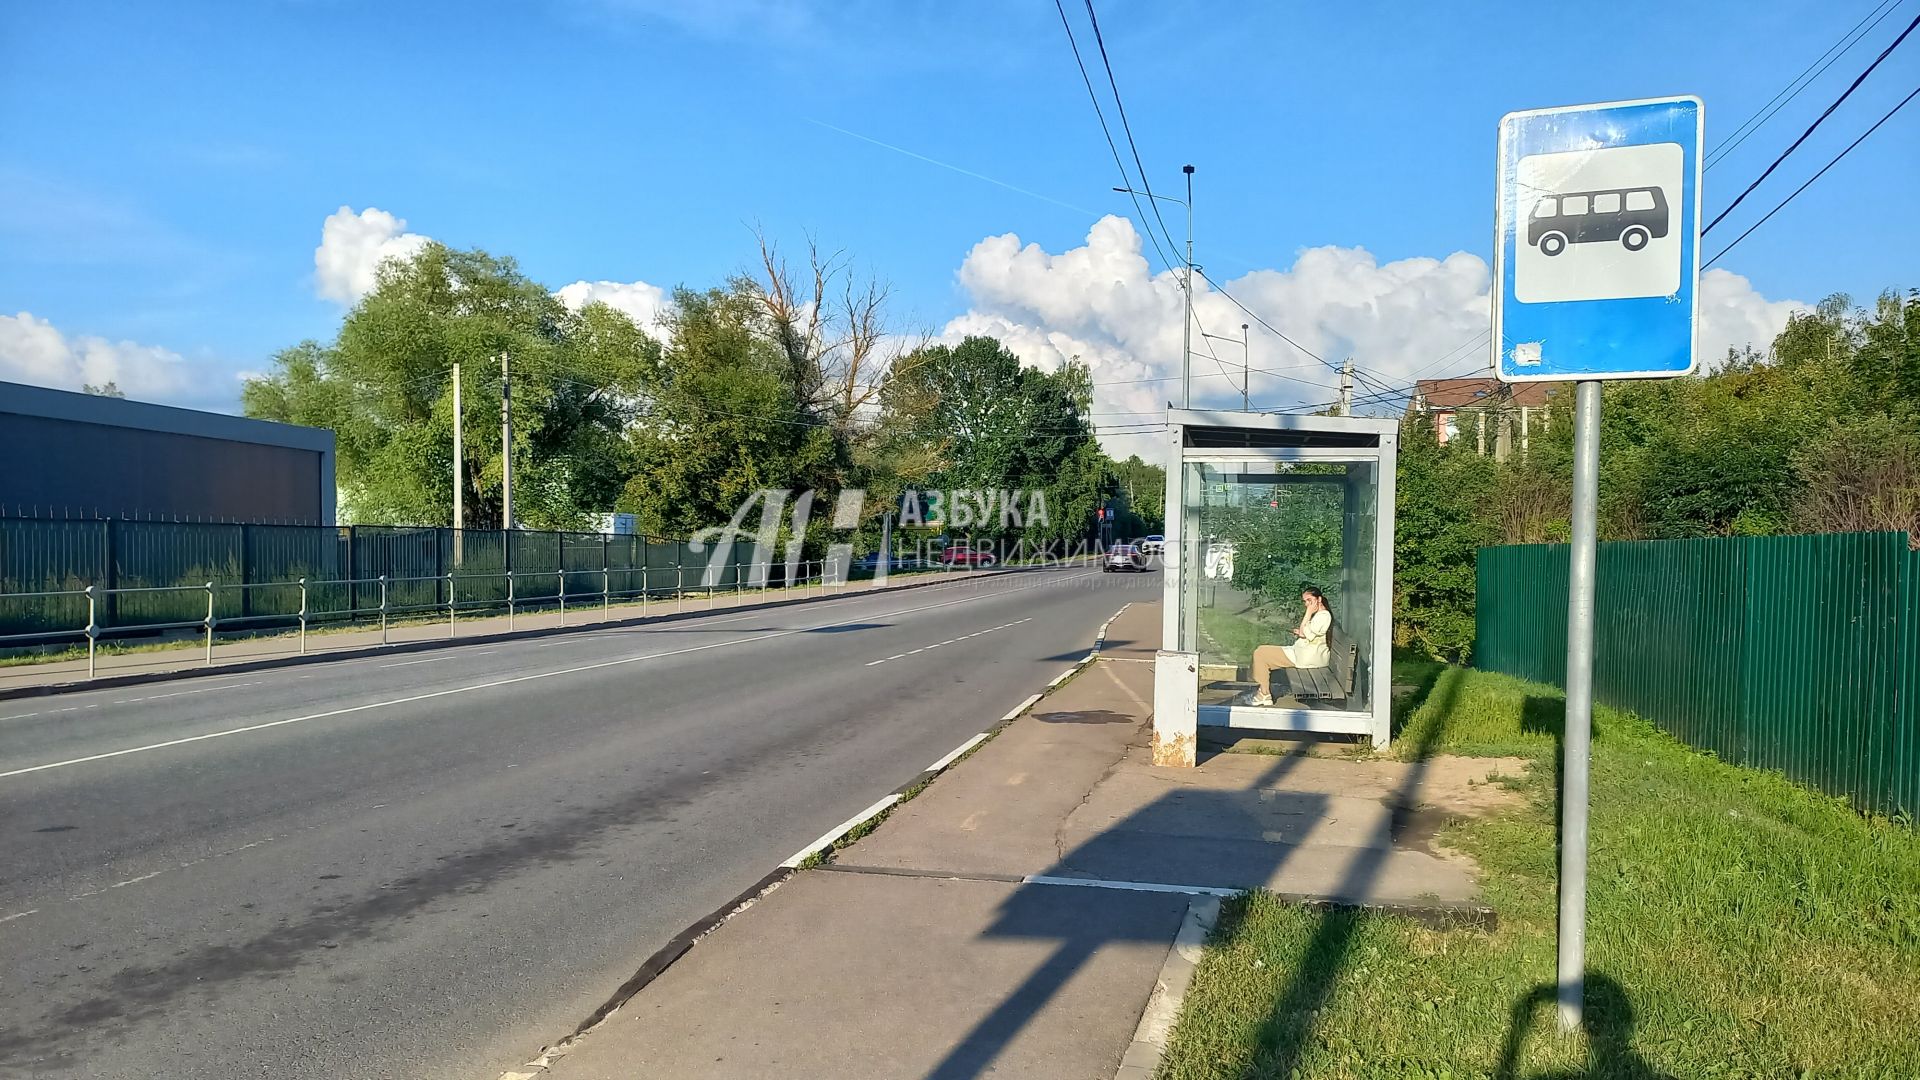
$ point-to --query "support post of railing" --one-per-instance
(209, 624)
(563, 595)
(606, 593)
(450, 606)
(679, 585)
(509, 601)
(93, 630)
(303, 616)
(646, 582)
(383, 609)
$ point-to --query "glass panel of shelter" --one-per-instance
(1256, 534)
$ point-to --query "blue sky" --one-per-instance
(165, 169)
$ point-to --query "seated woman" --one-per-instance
(1310, 651)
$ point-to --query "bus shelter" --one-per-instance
(1261, 508)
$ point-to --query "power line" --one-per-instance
(1276, 331)
(1800, 82)
(1127, 129)
(1851, 87)
(1816, 176)
(1125, 180)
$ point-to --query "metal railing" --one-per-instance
(810, 577)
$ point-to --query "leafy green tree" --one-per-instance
(972, 417)
(724, 420)
(1444, 514)
(384, 386)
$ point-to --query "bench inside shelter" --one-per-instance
(1331, 683)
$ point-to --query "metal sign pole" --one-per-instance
(1578, 737)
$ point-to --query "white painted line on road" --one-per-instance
(1022, 707)
(489, 685)
(838, 831)
(1130, 886)
(410, 663)
(170, 869)
(21, 716)
(182, 693)
(949, 641)
(954, 754)
(19, 915)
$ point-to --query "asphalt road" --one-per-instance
(430, 864)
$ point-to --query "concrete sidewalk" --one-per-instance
(1015, 918)
(431, 628)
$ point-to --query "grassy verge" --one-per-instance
(1739, 926)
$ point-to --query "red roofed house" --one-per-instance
(1493, 414)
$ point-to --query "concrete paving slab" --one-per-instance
(1135, 635)
(998, 812)
(856, 976)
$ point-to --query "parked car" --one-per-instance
(1151, 545)
(1123, 557)
(965, 555)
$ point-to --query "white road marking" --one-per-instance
(1130, 886)
(410, 663)
(949, 641)
(19, 915)
(954, 754)
(838, 831)
(489, 685)
(170, 869)
(182, 693)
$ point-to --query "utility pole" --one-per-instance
(506, 446)
(459, 471)
(1246, 371)
(1346, 387)
(1186, 329)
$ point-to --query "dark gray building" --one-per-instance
(65, 453)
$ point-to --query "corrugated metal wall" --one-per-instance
(1797, 653)
(42, 555)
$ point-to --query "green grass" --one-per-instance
(1739, 926)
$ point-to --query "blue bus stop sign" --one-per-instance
(1596, 250)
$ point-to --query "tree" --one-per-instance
(723, 421)
(110, 388)
(384, 386)
(972, 417)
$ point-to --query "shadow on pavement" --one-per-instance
(1082, 920)
(1326, 954)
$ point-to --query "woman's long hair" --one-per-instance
(1314, 591)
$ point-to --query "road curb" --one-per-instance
(243, 667)
(665, 957)
(1143, 1055)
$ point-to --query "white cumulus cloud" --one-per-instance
(352, 247)
(33, 350)
(643, 303)
(354, 244)
(1400, 320)
(1734, 316)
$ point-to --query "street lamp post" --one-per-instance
(1246, 365)
(1246, 371)
(1186, 330)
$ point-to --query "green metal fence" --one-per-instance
(39, 555)
(1797, 653)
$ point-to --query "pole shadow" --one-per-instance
(1607, 1018)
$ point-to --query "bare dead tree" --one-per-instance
(831, 329)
